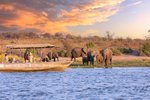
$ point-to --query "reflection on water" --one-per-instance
(77, 84)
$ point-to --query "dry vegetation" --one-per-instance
(66, 42)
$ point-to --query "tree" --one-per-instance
(109, 35)
(148, 36)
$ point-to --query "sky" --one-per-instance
(123, 18)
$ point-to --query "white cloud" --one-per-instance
(135, 3)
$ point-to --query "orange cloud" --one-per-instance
(26, 19)
(86, 14)
(6, 7)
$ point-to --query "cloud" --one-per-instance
(54, 15)
(135, 3)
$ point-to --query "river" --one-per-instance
(77, 84)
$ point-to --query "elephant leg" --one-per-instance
(87, 63)
(83, 61)
(97, 61)
(57, 59)
(106, 63)
(71, 58)
(92, 62)
(54, 59)
(110, 61)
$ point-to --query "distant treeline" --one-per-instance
(66, 42)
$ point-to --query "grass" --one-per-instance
(134, 63)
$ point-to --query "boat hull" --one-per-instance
(34, 67)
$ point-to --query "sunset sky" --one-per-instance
(124, 18)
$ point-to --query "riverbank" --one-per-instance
(118, 61)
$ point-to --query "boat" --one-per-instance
(34, 66)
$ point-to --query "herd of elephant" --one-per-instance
(104, 55)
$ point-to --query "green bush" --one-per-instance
(126, 50)
(62, 53)
(116, 51)
(90, 45)
(145, 50)
(30, 50)
(68, 53)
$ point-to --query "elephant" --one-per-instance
(77, 52)
(53, 55)
(107, 56)
(90, 57)
(99, 58)
(85, 60)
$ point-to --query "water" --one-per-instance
(77, 84)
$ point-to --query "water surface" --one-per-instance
(77, 84)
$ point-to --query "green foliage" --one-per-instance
(145, 50)
(62, 53)
(116, 52)
(68, 53)
(126, 50)
(18, 59)
(2, 57)
(136, 63)
(31, 50)
(90, 45)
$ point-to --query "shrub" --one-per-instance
(68, 53)
(31, 50)
(62, 53)
(126, 50)
(145, 50)
(90, 45)
(116, 52)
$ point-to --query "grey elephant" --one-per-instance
(89, 58)
(85, 60)
(77, 52)
(107, 56)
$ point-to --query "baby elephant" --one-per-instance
(90, 57)
(85, 60)
(99, 58)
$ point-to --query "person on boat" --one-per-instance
(30, 57)
(6, 58)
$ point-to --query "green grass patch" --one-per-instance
(134, 63)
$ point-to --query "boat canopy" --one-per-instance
(29, 46)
